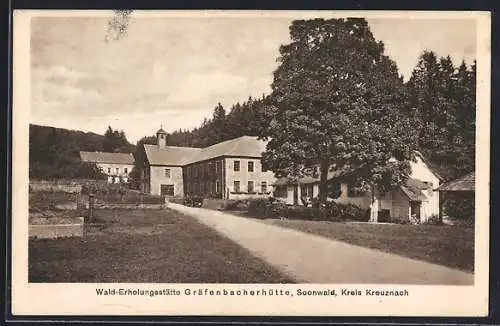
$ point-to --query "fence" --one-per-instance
(62, 185)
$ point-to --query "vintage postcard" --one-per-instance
(274, 163)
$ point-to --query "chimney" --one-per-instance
(161, 138)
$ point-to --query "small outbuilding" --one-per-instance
(462, 188)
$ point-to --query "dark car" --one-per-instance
(193, 201)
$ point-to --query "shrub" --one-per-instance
(353, 212)
(307, 213)
(460, 206)
(266, 208)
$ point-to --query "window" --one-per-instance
(125, 170)
(263, 187)
(236, 166)
(217, 186)
(250, 187)
(109, 170)
(236, 186)
(167, 173)
(217, 167)
(250, 166)
(117, 170)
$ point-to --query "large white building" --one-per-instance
(117, 166)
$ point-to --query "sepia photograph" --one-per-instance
(217, 151)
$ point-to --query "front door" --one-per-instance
(167, 190)
(415, 209)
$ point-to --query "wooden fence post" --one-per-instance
(91, 207)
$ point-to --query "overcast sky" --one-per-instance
(173, 71)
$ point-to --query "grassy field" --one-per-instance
(445, 245)
(150, 246)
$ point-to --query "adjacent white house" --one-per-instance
(415, 199)
(117, 166)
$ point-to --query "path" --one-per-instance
(313, 259)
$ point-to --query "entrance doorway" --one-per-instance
(415, 209)
(167, 190)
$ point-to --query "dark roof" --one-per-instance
(106, 157)
(333, 173)
(244, 146)
(169, 155)
(161, 131)
(412, 188)
(464, 183)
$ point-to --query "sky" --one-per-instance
(173, 71)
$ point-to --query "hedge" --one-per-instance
(270, 208)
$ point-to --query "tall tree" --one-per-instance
(218, 124)
(338, 100)
(116, 141)
(445, 100)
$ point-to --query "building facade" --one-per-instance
(416, 199)
(116, 166)
(231, 169)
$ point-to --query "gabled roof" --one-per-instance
(244, 146)
(412, 188)
(106, 157)
(464, 183)
(170, 155)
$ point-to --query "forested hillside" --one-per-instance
(54, 152)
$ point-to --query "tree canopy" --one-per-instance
(115, 141)
(445, 100)
(338, 105)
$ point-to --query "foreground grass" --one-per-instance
(445, 245)
(150, 246)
